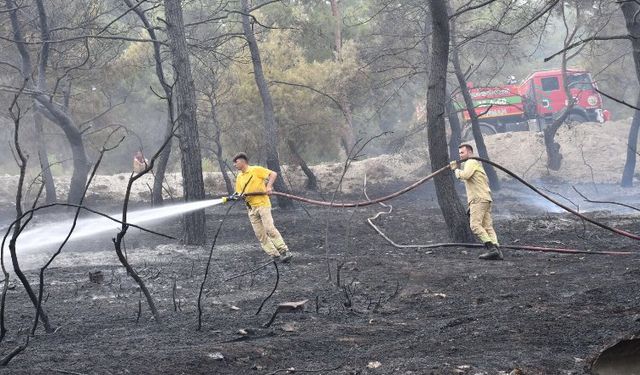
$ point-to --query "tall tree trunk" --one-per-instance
(47, 176)
(163, 159)
(217, 141)
(221, 164)
(452, 209)
(494, 182)
(630, 10)
(312, 181)
(348, 138)
(161, 165)
(270, 124)
(191, 160)
(456, 129)
(554, 157)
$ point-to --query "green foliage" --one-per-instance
(381, 70)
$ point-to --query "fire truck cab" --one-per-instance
(544, 97)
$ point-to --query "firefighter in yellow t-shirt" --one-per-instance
(256, 179)
(479, 199)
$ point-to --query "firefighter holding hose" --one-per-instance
(255, 179)
(479, 198)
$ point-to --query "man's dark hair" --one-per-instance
(240, 155)
(467, 146)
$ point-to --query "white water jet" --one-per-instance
(51, 235)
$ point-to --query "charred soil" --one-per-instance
(392, 311)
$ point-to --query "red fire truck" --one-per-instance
(534, 104)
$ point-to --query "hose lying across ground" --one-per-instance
(382, 199)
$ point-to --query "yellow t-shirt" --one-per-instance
(475, 181)
(256, 177)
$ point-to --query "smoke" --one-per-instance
(517, 199)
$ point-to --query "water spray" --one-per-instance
(52, 234)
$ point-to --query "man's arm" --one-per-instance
(467, 171)
(272, 178)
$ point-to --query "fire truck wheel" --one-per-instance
(575, 118)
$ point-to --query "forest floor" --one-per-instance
(393, 311)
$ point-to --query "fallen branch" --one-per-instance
(293, 370)
(286, 307)
(254, 270)
(66, 372)
(17, 350)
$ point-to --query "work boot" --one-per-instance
(286, 257)
(494, 252)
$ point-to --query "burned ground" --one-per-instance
(401, 311)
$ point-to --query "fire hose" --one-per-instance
(421, 181)
(347, 204)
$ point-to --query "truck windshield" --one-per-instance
(580, 81)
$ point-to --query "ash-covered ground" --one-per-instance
(392, 311)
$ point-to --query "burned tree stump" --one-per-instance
(286, 307)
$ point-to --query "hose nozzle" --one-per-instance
(232, 197)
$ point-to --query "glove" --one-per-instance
(453, 165)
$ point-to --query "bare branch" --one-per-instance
(587, 40)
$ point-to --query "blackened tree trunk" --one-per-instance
(452, 209)
(312, 181)
(163, 159)
(554, 157)
(270, 124)
(454, 125)
(494, 182)
(630, 10)
(186, 120)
